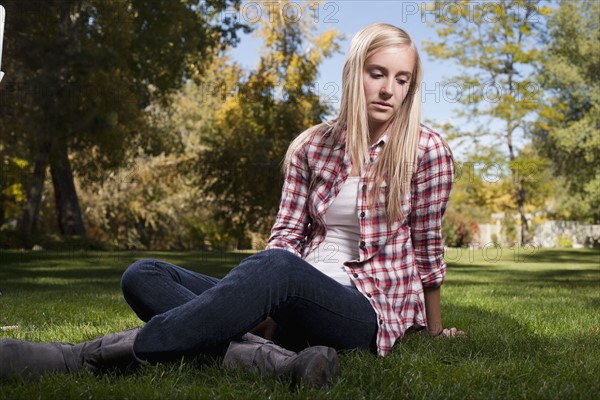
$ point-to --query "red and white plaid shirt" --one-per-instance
(395, 260)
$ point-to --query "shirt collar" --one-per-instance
(380, 142)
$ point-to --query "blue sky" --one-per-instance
(349, 16)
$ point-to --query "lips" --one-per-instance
(382, 104)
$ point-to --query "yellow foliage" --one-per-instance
(19, 162)
(15, 191)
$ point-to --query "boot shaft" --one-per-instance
(21, 359)
(315, 366)
(113, 351)
(30, 360)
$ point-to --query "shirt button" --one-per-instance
(362, 245)
(355, 275)
(362, 214)
(369, 295)
(364, 188)
(380, 322)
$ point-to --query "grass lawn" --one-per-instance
(532, 320)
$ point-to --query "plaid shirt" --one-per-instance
(395, 260)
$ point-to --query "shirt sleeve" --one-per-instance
(291, 225)
(430, 192)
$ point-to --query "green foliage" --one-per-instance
(482, 185)
(12, 192)
(152, 204)
(206, 157)
(565, 242)
(568, 130)
(81, 73)
(509, 229)
(485, 185)
(495, 44)
(253, 127)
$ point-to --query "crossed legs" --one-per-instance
(188, 313)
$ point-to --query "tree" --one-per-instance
(257, 120)
(80, 73)
(568, 130)
(155, 201)
(494, 43)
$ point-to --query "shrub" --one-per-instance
(458, 230)
(151, 205)
(564, 241)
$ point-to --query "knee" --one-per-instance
(137, 273)
(282, 258)
(277, 262)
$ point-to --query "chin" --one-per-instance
(379, 119)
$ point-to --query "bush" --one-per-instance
(151, 205)
(509, 229)
(564, 242)
(458, 230)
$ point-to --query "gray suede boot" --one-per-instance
(29, 360)
(315, 366)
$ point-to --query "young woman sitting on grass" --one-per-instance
(355, 258)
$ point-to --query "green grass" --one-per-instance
(532, 320)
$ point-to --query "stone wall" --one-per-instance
(489, 233)
(546, 234)
(552, 233)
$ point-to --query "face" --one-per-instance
(386, 79)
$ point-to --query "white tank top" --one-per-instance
(343, 234)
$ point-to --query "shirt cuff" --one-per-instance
(434, 278)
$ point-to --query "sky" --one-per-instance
(348, 17)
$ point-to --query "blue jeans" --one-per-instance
(189, 313)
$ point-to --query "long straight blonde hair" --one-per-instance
(398, 159)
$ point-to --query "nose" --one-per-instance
(386, 88)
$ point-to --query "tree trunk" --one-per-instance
(2, 210)
(516, 174)
(29, 222)
(525, 238)
(70, 221)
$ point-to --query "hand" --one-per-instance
(445, 332)
(452, 332)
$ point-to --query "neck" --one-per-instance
(376, 131)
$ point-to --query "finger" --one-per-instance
(456, 332)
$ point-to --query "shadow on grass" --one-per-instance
(491, 337)
(500, 356)
(565, 278)
(106, 265)
(562, 256)
(516, 256)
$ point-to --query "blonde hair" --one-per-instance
(398, 158)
